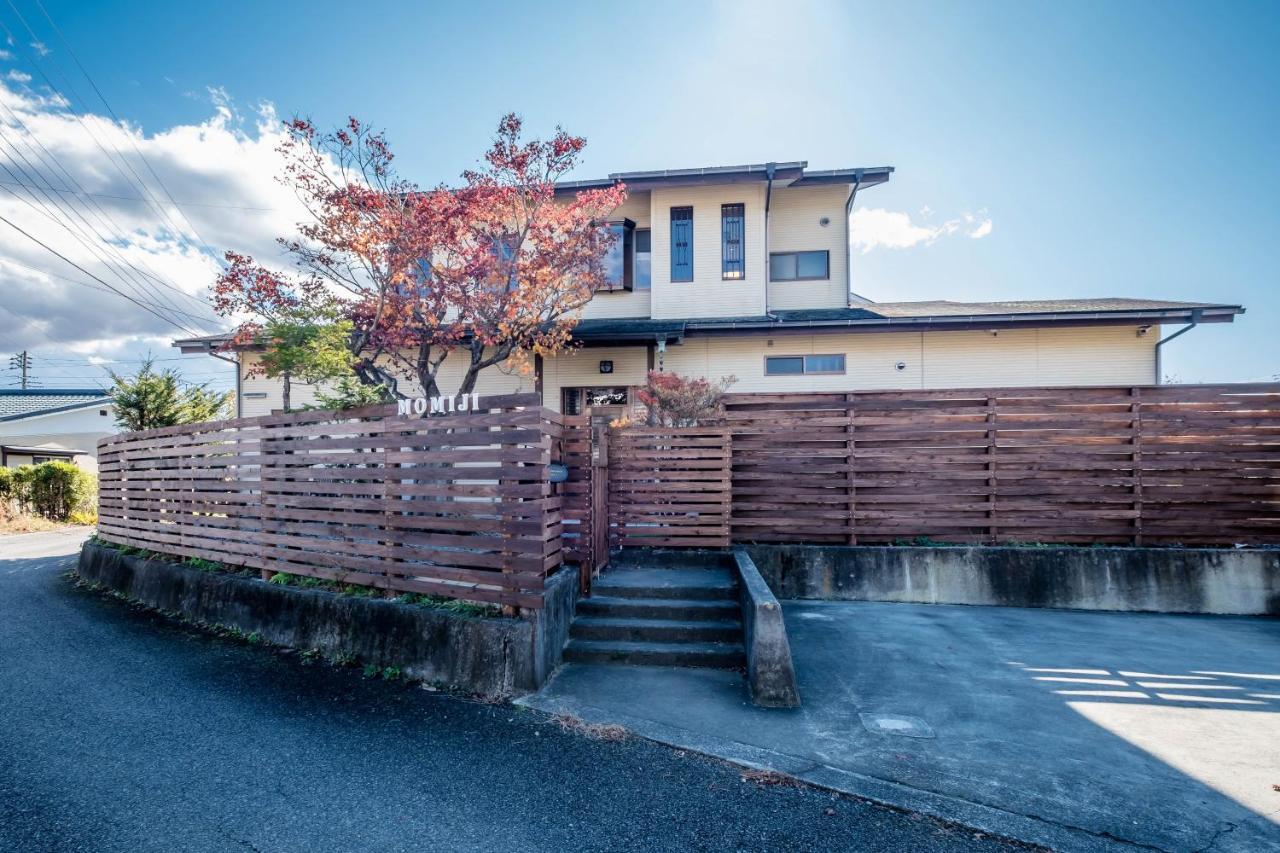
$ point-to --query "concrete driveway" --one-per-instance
(1075, 730)
(122, 731)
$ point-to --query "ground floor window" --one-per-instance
(577, 401)
(803, 365)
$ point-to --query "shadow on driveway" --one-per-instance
(1065, 728)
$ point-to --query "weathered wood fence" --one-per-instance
(456, 505)
(461, 505)
(1144, 465)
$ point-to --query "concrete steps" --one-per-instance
(675, 614)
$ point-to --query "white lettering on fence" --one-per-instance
(438, 405)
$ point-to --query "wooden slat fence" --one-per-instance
(669, 487)
(1131, 465)
(455, 505)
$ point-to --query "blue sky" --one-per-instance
(1116, 149)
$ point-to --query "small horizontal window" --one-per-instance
(801, 365)
(799, 266)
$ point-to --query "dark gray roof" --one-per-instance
(891, 316)
(790, 173)
(16, 404)
(896, 316)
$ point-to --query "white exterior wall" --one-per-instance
(79, 429)
(708, 295)
(795, 225)
(1087, 355)
(1100, 355)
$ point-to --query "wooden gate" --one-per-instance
(669, 487)
(584, 453)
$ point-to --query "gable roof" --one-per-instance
(16, 404)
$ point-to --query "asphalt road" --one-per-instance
(122, 731)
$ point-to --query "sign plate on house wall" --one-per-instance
(438, 405)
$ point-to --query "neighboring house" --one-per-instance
(47, 424)
(745, 271)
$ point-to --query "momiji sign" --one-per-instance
(438, 405)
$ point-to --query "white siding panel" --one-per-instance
(708, 295)
(1099, 355)
(795, 216)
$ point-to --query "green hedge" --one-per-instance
(54, 490)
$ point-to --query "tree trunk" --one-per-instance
(284, 395)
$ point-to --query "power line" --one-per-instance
(119, 158)
(101, 97)
(54, 251)
(92, 245)
(178, 203)
(102, 214)
(154, 309)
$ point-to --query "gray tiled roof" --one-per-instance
(16, 403)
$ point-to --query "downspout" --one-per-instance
(1196, 313)
(233, 361)
(769, 170)
(848, 251)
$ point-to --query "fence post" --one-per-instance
(1135, 425)
(993, 531)
(851, 473)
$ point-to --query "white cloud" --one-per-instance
(221, 172)
(6, 54)
(18, 76)
(876, 228)
(40, 48)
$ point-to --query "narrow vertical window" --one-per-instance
(682, 244)
(644, 258)
(733, 256)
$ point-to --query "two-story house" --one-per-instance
(745, 271)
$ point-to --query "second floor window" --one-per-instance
(733, 262)
(644, 259)
(799, 266)
(618, 260)
(682, 244)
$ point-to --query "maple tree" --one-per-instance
(494, 270)
(673, 400)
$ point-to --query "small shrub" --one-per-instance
(52, 490)
(281, 579)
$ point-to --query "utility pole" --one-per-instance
(21, 362)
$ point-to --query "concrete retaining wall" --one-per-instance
(770, 672)
(1166, 580)
(478, 654)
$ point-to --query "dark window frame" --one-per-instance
(804, 364)
(674, 258)
(796, 255)
(729, 213)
